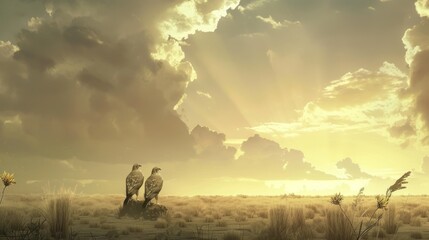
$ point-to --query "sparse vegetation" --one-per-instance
(231, 236)
(416, 235)
(390, 223)
(59, 213)
(362, 229)
(260, 218)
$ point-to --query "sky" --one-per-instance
(227, 97)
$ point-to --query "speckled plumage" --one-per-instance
(133, 183)
(153, 186)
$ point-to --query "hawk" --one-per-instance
(133, 183)
(153, 186)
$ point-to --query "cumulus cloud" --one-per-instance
(99, 80)
(254, 5)
(416, 41)
(210, 145)
(422, 7)
(277, 24)
(297, 168)
(269, 160)
(363, 100)
(352, 169)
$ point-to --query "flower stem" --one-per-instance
(348, 219)
(2, 194)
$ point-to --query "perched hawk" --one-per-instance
(133, 183)
(153, 186)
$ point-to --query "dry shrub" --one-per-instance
(227, 212)
(309, 214)
(222, 223)
(11, 220)
(181, 223)
(94, 225)
(420, 211)
(134, 229)
(208, 219)
(178, 215)
(319, 225)
(416, 222)
(84, 221)
(257, 227)
(108, 226)
(188, 218)
(231, 236)
(416, 235)
(405, 217)
(112, 234)
(161, 223)
(217, 216)
(316, 208)
(337, 226)
(240, 218)
(263, 214)
(390, 224)
(101, 212)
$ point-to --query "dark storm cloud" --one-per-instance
(84, 84)
(210, 145)
(352, 169)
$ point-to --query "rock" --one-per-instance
(135, 209)
(154, 211)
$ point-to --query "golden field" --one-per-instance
(210, 217)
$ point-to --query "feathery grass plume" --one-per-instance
(337, 199)
(358, 199)
(381, 204)
(7, 179)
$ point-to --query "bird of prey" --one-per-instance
(153, 186)
(133, 183)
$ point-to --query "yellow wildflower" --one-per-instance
(7, 179)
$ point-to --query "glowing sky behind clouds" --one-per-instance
(226, 96)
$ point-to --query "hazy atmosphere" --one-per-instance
(262, 97)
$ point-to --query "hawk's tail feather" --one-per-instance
(127, 199)
(146, 202)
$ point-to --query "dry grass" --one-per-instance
(405, 217)
(337, 226)
(415, 222)
(390, 224)
(59, 214)
(95, 214)
(161, 223)
(416, 235)
(231, 236)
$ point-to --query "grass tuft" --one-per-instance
(390, 224)
(59, 214)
